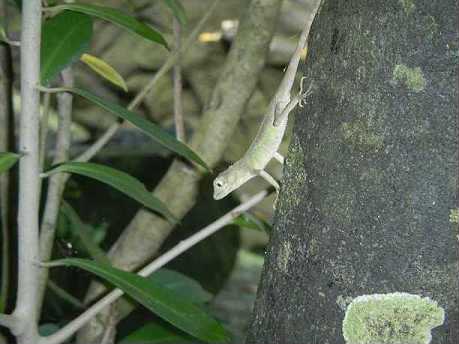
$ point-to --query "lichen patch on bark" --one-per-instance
(283, 257)
(391, 318)
(412, 78)
(454, 215)
(408, 6)
(359, 134)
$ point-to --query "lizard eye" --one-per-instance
(219, 184)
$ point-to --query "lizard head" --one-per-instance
(221, 187)
(231, 179)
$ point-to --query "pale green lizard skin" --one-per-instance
(269, 136)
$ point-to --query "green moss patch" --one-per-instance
(361, 136)
(396, 318)
(408, 6)
(412, 78)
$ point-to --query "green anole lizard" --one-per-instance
(269, 136)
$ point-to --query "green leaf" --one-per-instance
(251, 222)
(104, 69)
(3, 37)
(48, 329)
(119, 180)
(18, 3)
(184, 315)
(117, 17)
(154, 131)
(64, 38)
(83, 233)
(177, 10)
(7, 160)
(182, 285)
(155, 333)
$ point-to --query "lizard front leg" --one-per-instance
(266, 176)
(279, 158)
(279, 109)
(279, 116)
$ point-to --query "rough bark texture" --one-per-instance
(371, 175)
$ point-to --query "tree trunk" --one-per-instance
(371, 175)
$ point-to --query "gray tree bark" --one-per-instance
(371, 174)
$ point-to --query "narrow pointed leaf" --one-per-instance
(7, 160)
(251, 222)
(104, 69)
(156, 333)
(119, 180)
(177, 9)
(163, 302)
(117, 17)
(3, 36)
(64, 38)
(48, 329)
(81, 231)
(154, 131)
(182, 285)
(18, 3)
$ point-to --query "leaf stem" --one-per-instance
(45, 89)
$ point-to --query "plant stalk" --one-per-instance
(29, 171)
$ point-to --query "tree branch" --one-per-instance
(29, 170)
(146, 232)
(56, 182)
(68, 330)
(178, 86)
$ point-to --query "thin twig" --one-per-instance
(99, 144)
(68, 330)
(44, 128)
(64, 295)
(168, 64)
(29, 171)
(56, 182)
(178, 85)
(4, 38)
